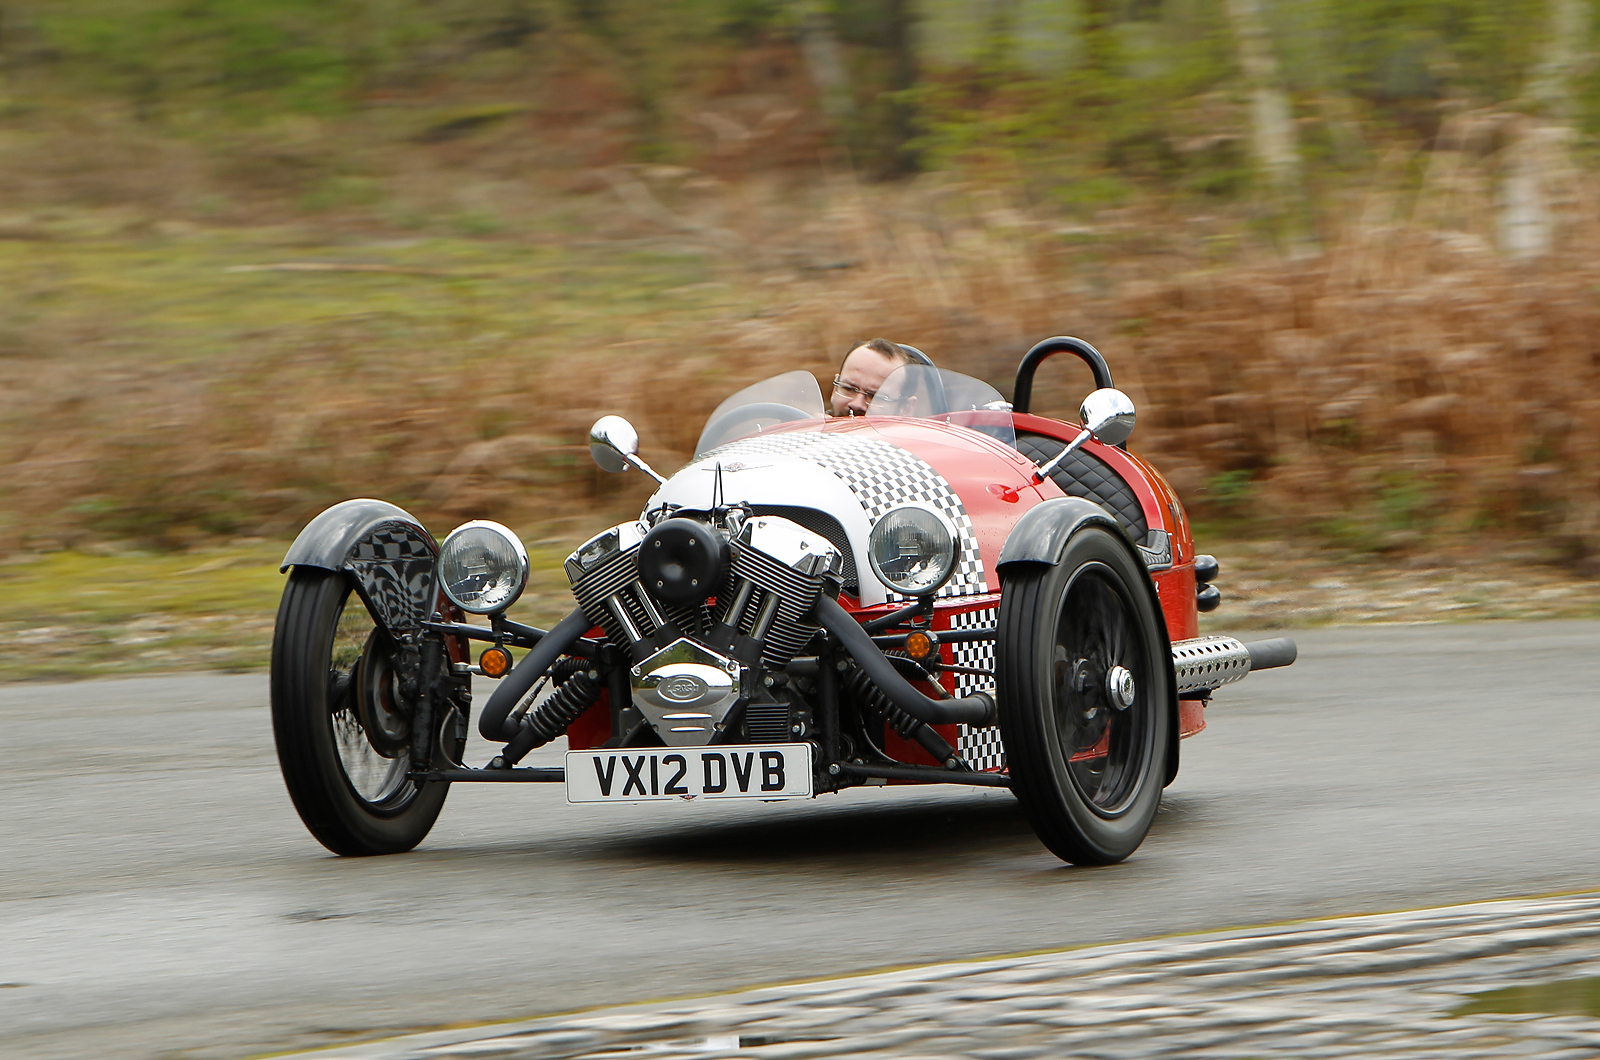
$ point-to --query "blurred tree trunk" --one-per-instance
(825, 63)
(1272, 134)
(901, 16)
(875, 115)
(1538, 150)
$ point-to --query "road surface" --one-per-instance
(159, 897)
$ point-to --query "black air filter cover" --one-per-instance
(681, 561)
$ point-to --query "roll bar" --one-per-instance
(1022, 393)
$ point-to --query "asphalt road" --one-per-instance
(158, 897)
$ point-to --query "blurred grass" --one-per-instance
(76, 615)
(183, 293)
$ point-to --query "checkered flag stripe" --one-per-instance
(979, 748)
(393, 565)
(883, 477)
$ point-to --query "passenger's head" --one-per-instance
(865, 368)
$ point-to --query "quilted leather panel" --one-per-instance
(1082, 475)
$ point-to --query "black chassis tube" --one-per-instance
(937, 776)
(1022, 392)
(977, 709)
(945, 636)
(513, 633)
(522, 774)
(492, 722)
(1041, 536)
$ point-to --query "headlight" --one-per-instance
(913, 550)
(483, 567)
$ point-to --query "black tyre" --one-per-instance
(343, 741)
(1083, 690)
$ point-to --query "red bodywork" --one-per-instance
(995, 485)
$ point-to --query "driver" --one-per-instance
(863, 371)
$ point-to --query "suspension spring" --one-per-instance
(567, 667)
(551, 718)
(864, 691)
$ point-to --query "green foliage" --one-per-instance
(1151, 97)
(1401, 507)
(750, 20)
(257, 57)
(1396, 51)
(1132, 109)
(1231, 494)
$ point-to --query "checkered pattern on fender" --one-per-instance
(883, 477)
(393, 565)
(979, 748)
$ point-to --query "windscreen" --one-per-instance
(923, 392)
(787, 398)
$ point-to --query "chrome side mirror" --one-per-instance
(614, 444)
(612, 440)
(1109, 415)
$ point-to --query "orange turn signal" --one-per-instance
(920, 645)
(495, 662)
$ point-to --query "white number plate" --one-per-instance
(736, 771)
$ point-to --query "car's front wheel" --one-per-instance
(1083, 689)
(342, 729)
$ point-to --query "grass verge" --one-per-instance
(82, 614)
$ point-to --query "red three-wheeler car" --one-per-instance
(949, 589)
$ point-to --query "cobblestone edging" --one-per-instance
(1371, 987)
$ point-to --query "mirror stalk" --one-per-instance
(646, 468)
(1048, 468)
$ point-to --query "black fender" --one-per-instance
(390, 556)
(1041, 536)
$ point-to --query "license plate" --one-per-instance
(737, 771)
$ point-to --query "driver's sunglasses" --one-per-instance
(851, 388)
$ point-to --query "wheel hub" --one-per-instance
(1120, 688)
(1082, 682)
(378, 706)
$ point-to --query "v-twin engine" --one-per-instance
(703, 602)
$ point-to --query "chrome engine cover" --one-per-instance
(686, 690)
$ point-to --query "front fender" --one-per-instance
(1041, 535)
(390, 555)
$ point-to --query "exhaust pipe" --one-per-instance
(1207, 663)
(977, 709)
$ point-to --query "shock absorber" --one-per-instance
(551, 718)
(865, 692)
(566, 667)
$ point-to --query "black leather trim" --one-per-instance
(1089, 477)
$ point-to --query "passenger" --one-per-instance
(865, 368)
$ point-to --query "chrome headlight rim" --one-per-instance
(953, 552)
(521, 573)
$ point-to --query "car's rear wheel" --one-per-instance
(1083, 691)
(342, 730)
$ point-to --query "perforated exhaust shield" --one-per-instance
(1208, 663)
